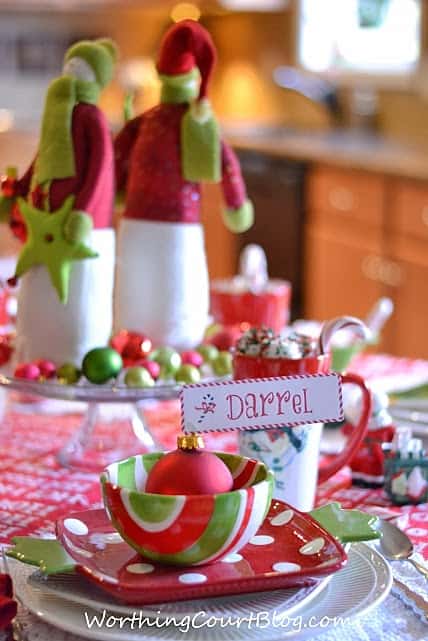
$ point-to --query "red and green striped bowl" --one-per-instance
(186, 530)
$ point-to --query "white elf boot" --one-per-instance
(162, 287)
(48, 329)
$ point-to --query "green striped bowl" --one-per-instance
(192, 529)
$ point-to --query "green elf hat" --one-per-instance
(56, 155)
(100, 55)
(186, 51)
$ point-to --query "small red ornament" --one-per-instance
(189, 470)
(151, 366)
(226, 337)
(6, 348)
(47, 368)
(29, 371)
(132, 346)
(192, 358)
(12, 281)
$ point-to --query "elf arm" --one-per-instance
(93, 190)
(239, 214)
(123, 146)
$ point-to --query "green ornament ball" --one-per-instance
(212, 330)
(208, 352)
(68, 373)
(187, 374)
(101, 364)
(222, 365)
(169, 360)
(138, 377)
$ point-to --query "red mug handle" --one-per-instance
(358, 433)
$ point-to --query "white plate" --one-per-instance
(74, 588)
(360, 586)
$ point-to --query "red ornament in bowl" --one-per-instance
(204, 472)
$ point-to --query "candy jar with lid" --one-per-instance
(251, 297)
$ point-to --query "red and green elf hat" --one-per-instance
(185, 47)
(187, 50)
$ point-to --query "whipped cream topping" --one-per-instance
(265, 343)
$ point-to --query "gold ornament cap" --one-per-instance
(190, 442)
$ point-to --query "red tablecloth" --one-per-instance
(35, 491)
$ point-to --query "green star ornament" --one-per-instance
(48, 245)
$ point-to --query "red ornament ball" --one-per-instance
(6, 349)
(28, 371)
(152, 367)
(189, 471)
(132, 346)
(47, 368)
(226, 337)
(192, 357)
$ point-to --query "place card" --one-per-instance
(261, 403)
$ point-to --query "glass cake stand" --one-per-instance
(93, 446)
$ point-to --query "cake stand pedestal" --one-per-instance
(96, 444)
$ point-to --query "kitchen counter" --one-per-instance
(349, 149)
(346, 149)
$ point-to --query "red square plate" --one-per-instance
(290, 549)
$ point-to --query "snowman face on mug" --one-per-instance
(277, 448)
(80, 69)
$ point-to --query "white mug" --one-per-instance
(292, 454)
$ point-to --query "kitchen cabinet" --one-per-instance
(366, 236)
(338, 273)
(220, 243)
(407, 244)
(276, 188)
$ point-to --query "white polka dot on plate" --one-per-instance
(75, 526)
(282, 518)
(262, 539)
(284, 566)
(313, 547)
(192, 577)
(140, 568)
(232, 558)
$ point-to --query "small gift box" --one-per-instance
(406, 470)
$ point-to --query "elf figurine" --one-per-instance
(61, 209)
(162, 156)
(367, 466)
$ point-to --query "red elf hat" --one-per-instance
(187, 45)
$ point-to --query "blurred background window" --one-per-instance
(364, 36)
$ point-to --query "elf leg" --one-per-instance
(64, 333)
(162, 281)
